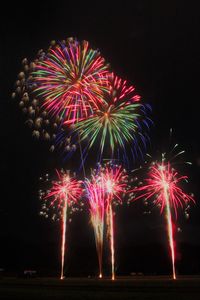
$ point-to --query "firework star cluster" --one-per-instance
(72, 99)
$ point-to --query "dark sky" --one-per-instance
(153, 44)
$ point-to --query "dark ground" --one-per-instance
(136, 287)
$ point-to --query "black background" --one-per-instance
(153, 44)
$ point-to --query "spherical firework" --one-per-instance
(61, 86)
(62, 196)
(163, 185)
(70, 80)
(117, 124)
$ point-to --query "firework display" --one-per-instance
(72, 99)
(68, 91)
(119, 124)
(62, 196)
(38, 119)
(115, 181)
(60, 87)
(163, 185)
(107, 187)
(70, 80)
(96, 199)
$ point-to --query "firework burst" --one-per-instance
(37, 118)
(62, 196)
(118, 123)
(163, 185)
(70, 80)
(115, 185)
(60, 87)
(105, 189)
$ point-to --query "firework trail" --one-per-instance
(105, 189)
(163, 185)
(117, 124)
(115, 180)
(96, 198)
(110, 225)
(63, 195)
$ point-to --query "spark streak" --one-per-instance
(64, 221)
(105, 189)
(96, 199)
(163, 184)
(111, 233)
(115, 185)
(169, 223)
(63, 195)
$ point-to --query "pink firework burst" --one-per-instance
(70, 80)
(163, 186)
(121, 91)
(106, 188)
(163, 177)
(64, 193)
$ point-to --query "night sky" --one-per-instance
(156, 47)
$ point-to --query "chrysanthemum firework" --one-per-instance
(61, 86)
(70, 80)
(117, 125)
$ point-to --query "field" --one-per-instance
(136, 287)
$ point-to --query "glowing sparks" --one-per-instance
(110, 222)
(96, 198)
(115, 182)
(70, 80)
(63, 193)
(63, 247)
(68, 91)
(117, 123)
(37, 118)
(106, 188)
(61, 86)
(163, 185)
(163, 178)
